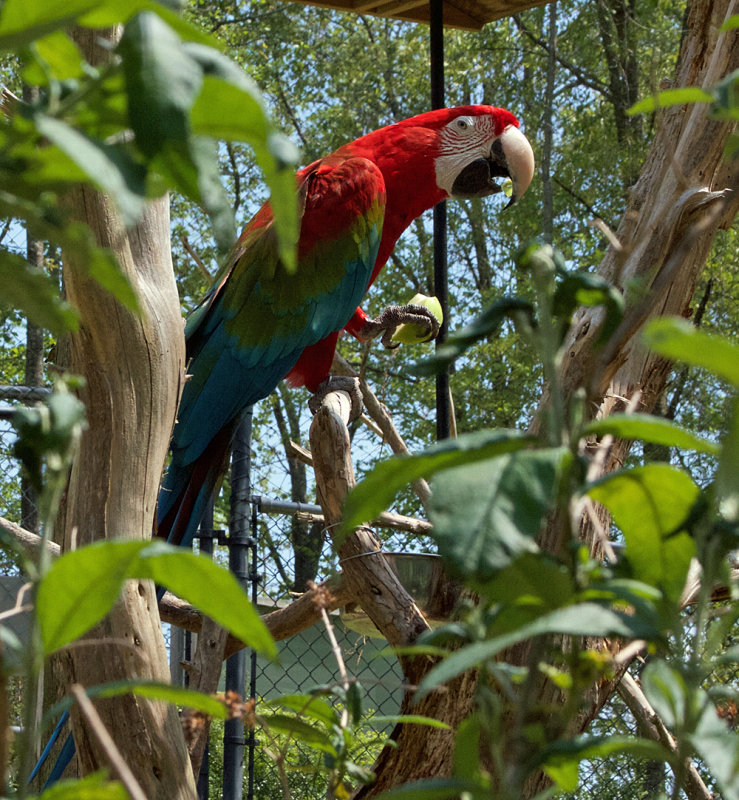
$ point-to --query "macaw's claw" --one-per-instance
(338, 383)
(393, 316)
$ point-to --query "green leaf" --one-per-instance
(162, 82)
(110, 12)
(409, 719)
(108, 168)
(561, 759)
(583, 619)
(650, 504)
(210, 588)
(306, 734)
(275, 160)
(649, 429)
(676, 338)
(718, 747)
(730, 656)
(35, 294)
(726, 95)
(726, 486)
(436, 789)
(246, 121)
(80, 589)
(382, 483)
(487, 514)
(670, 97)
(689, 712)
(575, 289)
(487, 324)
(667, 690)
(730, 24)
(310, 706)
(533, 579)
(467, 746)
(153, 690)
(91, 787)
(213, 196)
(353, 700)
(22, 21)
(60, 56)
(167, 692)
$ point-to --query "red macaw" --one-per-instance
(258, 324)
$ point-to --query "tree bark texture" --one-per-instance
(133, 367)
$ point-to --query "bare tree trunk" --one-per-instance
(133, 367)
(545, 169)
(34, 372)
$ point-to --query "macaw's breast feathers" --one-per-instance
(254, 324)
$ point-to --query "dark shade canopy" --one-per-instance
(468, 15)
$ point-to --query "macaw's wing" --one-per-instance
(258, 319)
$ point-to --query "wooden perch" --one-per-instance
(370, 581)
(381, 416)
(367, 574)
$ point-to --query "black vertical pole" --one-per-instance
(254, 578)
(441, 288)
(206, 547)
(239, 542)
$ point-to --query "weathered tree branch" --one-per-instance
(653, 728)
(370, 580)
(380, 415)
(204, 674)
(133, 365)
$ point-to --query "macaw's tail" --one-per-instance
(186, 489)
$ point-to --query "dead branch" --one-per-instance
(381, 416)
(654, 728)
(117, 763)
(30, 542)
(204, 673)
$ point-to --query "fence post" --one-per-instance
(239, 542)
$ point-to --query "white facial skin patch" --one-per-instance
(469, 138)
(463, 140)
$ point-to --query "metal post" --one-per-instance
(206, 548)
(254, 578)
(441, 289)
(238, 544)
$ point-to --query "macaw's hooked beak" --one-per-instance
(510, 156)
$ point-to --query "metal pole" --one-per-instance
(206, 548)
(238, 546)
(254, 578)
(441, 287)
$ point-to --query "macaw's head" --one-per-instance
(479, 146)
(475, 149)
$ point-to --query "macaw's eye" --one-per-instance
(462, 124)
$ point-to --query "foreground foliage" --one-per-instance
(493, 491)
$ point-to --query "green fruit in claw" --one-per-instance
(415, 334)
